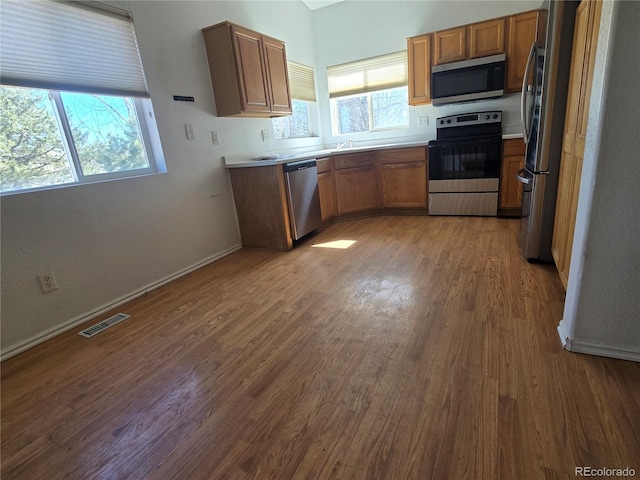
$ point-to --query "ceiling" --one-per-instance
(315, 4)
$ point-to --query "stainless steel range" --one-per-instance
(464, 164)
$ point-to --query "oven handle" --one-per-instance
(524, 120)
(522, 179)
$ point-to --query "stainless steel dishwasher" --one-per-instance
(302, 196)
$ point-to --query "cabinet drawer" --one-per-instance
(403, 155)
(323, 164)
(354, 160)
(513, 146)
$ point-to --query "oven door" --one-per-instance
(472, 158)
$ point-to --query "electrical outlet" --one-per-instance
(265, 135)
(189, 129)
(423, 121)
(215, 137)
(47, 282)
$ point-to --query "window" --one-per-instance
(369, 94)
(302, 122)
(370, 111)
(65, 118)
(52, 138)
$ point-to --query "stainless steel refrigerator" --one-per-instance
(543, 104)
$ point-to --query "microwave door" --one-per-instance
(527, 95)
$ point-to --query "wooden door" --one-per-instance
(585, 38)
(252, 75)
(486, 38)
(513, 152)
(277, 76)
(419, 56)
(522, 33)
(450, 45)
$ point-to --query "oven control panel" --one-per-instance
(464, 119)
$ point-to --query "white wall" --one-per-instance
(352, 30)
(108, 240)
(602, 309)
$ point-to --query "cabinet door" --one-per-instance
(356, 189)
(404, 185)
(450, 45)
(585, 38)
(522, 34)
(419, 55)
(327, 192)
(486, 38)
(252, 75)
(277, 76)
(510, 187)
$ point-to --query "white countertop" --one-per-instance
(275, 158)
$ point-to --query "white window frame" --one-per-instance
(335, 124)
(303, 89)
(119, 74)
(363, 78)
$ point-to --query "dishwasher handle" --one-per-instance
(301, 165)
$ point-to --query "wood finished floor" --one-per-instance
(426, 350)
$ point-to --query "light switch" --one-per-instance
(189, 129)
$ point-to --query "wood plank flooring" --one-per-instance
(426, 350)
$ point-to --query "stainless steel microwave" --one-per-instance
(468, 80)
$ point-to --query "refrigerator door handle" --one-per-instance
(522, 179)
(524, 114)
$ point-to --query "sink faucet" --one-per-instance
(342, 144)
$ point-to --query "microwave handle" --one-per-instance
(524, 120)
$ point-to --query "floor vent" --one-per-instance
(103, 325)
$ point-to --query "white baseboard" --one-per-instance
(85, 317)
(599, 349)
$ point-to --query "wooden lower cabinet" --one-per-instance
(513, 152)
(368, 181)
(326, 189)
(261, 202)
(403, 174)
(356, 189)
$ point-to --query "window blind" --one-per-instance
(75, 46)
(301, 82)
(368, 75)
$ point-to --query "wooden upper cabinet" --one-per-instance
(248, 72)
(450, 45)
(252, 76)
(486, 38)
(277, 75)
(419, 56)
(521, 35)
